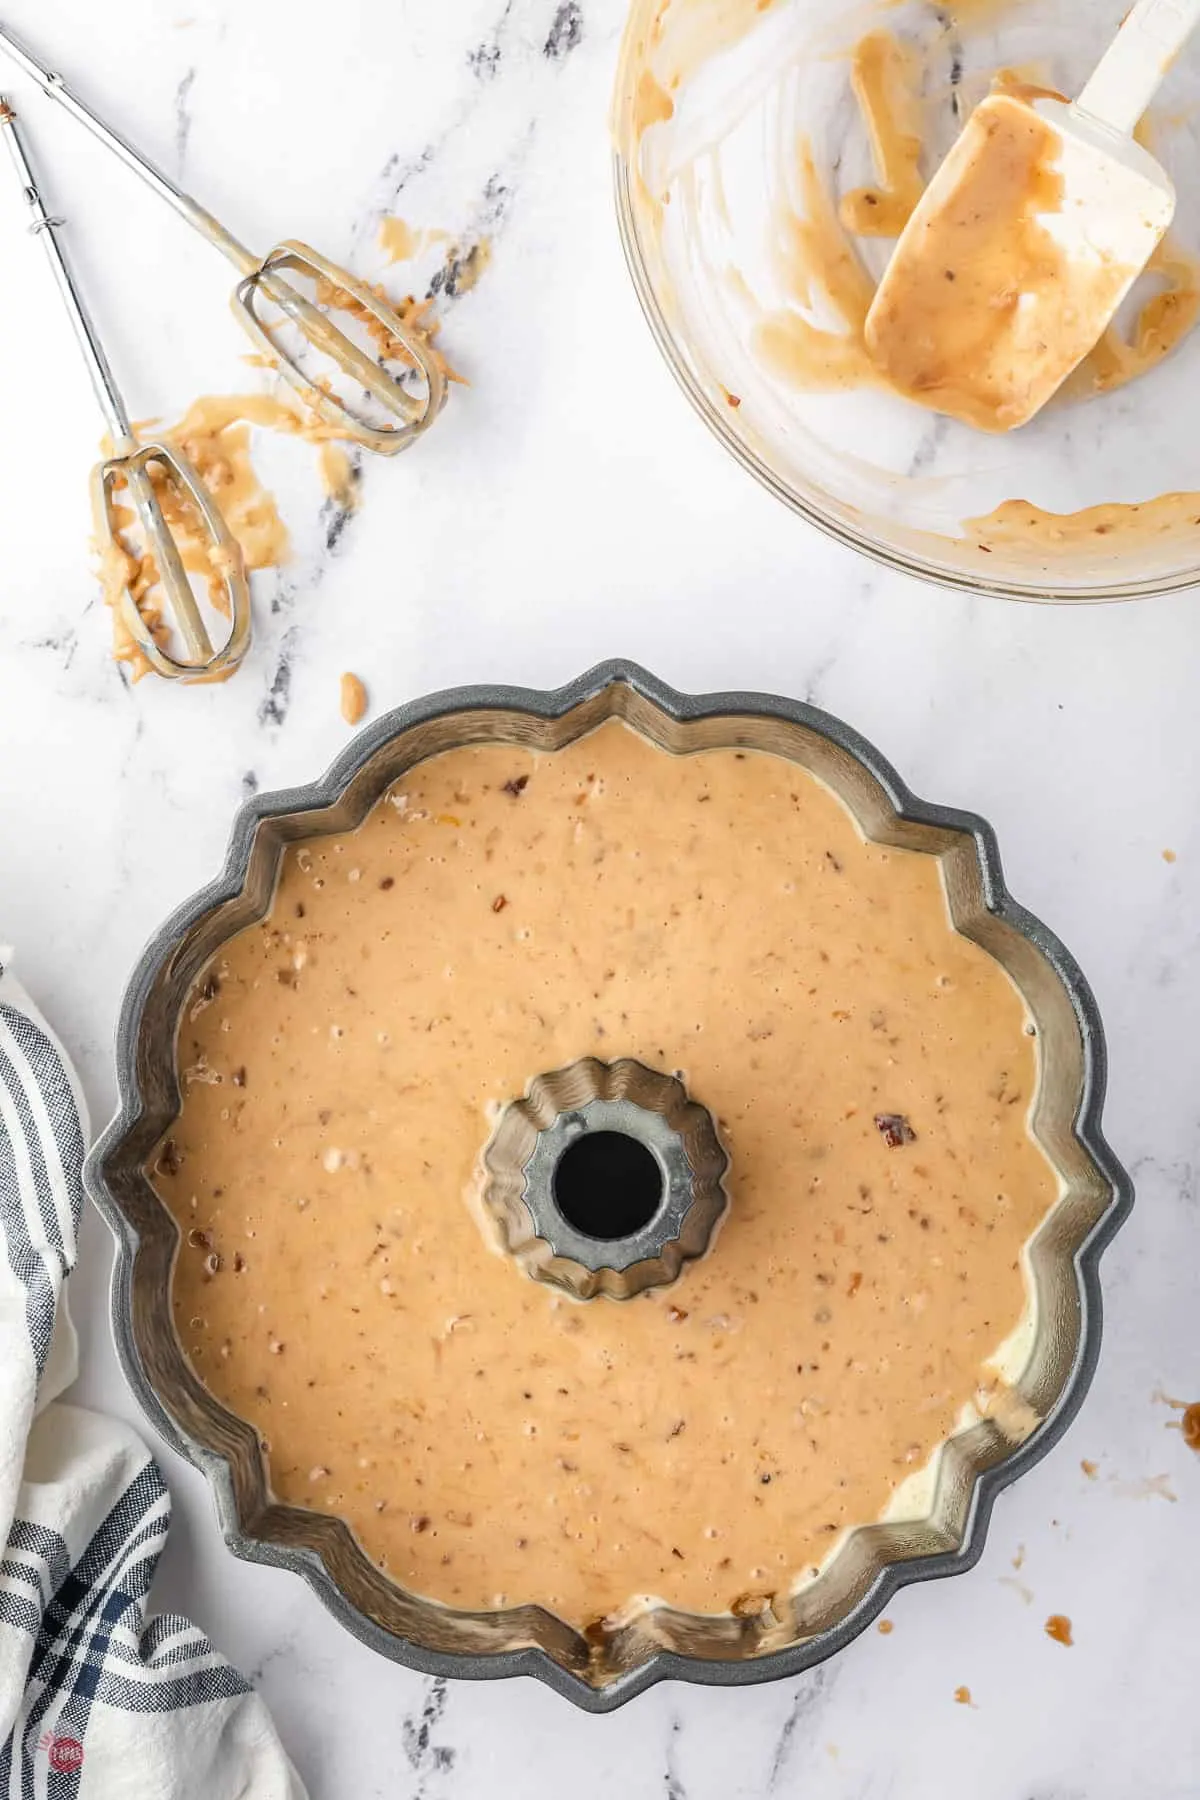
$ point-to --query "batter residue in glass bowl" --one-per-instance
(771, 156)
(490, 1440)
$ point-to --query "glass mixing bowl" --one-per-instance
(739, 137)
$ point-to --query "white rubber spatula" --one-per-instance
(1029, 237)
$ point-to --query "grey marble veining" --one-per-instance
(567, 507)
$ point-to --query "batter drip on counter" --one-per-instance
(502, 912)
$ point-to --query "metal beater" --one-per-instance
(128, 471)
(262, 276)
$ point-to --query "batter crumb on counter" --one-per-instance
(1190, 1426)
(399, 240)
(339, 476)
(462, 268)
(1058, 1627)
(354, 699)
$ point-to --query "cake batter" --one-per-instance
(500, 913)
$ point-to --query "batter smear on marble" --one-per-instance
(501, 913)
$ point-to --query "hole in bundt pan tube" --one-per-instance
(607, 1185)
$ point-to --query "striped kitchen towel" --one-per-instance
(97, 1701)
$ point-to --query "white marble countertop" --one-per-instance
(567, 508)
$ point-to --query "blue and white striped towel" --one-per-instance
(97, 1702)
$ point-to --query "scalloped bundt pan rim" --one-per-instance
(874, 1561)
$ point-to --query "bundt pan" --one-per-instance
(875, 1560)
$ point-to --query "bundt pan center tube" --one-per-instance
(583, 1135)
(579, 1126)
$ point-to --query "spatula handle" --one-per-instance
(1136, 62)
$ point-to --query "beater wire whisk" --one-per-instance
(410, 412)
